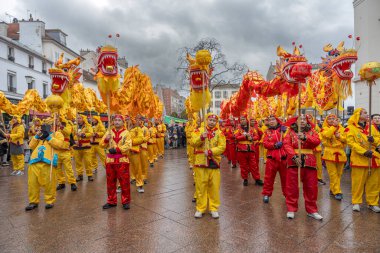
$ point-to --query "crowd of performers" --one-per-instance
(289, 149)
(126, 151)
(132, 144)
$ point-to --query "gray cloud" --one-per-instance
(152, 31)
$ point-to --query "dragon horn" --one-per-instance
(296, 51)
(60, 60)
(281, 51)
(340, 47)
(328, 48)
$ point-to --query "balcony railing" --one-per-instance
(11, 58)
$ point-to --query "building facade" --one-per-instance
(173, 102)
(220, 93)
(367, 27)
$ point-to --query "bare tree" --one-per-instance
(223, 72)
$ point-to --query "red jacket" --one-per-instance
(307, 146)
(271, 137)
(243, 144)
(229, 133)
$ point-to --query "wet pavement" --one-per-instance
(161, 219)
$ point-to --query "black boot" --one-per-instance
(194, 200)
(61, 186)
(49, 206)
(245, 182)
(146, 181)
(74, 187)
(126, 206)
(31, 206)
(80, 178)
(259, 182)
(108, 206)
(234, 166)
(90, 178)
(133, 181)
(151, 165)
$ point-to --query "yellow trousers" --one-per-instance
(195, 180)
(190, 155)
(65, 167)
(160, 146)
(335, 171)
(39, 176)
(135, 168)
(360, 180)
(318, 157)
(207, 187)
(155, 149)
(82, 160)
(144, 163)
(18, 162)
(96, 150)
(151, 153)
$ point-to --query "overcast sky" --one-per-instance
(151, 32)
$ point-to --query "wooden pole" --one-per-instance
(370, 126)
(52, 149)
(299, 131)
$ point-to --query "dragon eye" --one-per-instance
(65, 69)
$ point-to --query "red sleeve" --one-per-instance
(268, 143)
(312, 140)
(240, 137)
(288, 145)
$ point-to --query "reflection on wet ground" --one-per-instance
(161, 219)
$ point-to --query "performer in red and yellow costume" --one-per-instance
(333, 139)
(96, 150)
(318, 153)
(137, 137)
(209, 143)
(306, 161)
(276, 157)
(64, 157)
(365, 151)
(151, 143)
(231, 142)
(16, 142)
(118, 143)
(40, 173)
(82, 148)
(245, 145)
(144, 151)
(161, 131)
(35, 128)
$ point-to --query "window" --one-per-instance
(11, 80)
(225, 94)
(217, 94)
(31, 85)
(11, 54)
(217, 103)
(44, 67)
(45, 89)
(31, 62)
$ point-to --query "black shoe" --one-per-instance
(151, 165)
(259, 182)
(90, 178)
(321, 182)
(108, 206)
(61, 186)
(31, 206)
(266, 199)
(74, 187)
(126, 206)
(194, 200)
(133, 181)
(146, 181)
(245, 182)
(229, 162)
(234, 166)
(49, 206)
(338, 196)
(79, 178)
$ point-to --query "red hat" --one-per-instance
(118, 116)
(294, 119)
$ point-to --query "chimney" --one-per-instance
(3, 29)
(31, 34)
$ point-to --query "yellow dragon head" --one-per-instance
(64, 75)
(107, 61)
(199, 69)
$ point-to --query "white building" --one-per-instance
(367, 27)
(27, 51)
(220, 93)
(21, 68)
